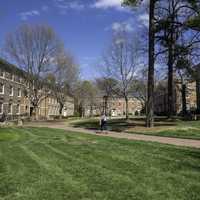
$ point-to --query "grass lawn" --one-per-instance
(49, 164)
(163, 127)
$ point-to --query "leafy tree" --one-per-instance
(171, 24)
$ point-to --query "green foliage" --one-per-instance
(194, 23)
(131, 2)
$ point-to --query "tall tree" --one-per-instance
(121, 62)
(85, 94)
(33, 48)
(172, 16)
(150, 93)
(63, 78)
(106, 87)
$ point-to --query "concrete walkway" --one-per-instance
(139, 137)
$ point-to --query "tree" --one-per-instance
(107, 87)
(121, 62)
(33, 48)
(85, 94)
(171, 24)
(150, 90)
(140, 91)
(63, 78)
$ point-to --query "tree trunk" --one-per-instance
(127, 108)
(184, 104)
(60, 110)
(171, 44)
(106, 106)
(91, 110)
(170, 82)
(82, 111)
(198, 95)
(36, 113)
(150, 102)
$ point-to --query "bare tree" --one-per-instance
(33, 48)
(62, 78)
(106, 87)
(85, 95)
(150, 90)
(121, 64)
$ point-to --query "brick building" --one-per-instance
(161, 98)
(12, 86)
(14, 101)
(49, 107)
(116, 106)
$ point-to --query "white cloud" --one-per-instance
(133, 24)
(76, 6)
(65, 5)
(26, 15)
(108, 4)
(45, 8)
(122, 26)
(144, 19)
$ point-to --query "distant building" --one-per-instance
(161, 98)
(14, 100)
(115, 107)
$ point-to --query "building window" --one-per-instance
(19, 92)
(1, 88)
(11, 91)
(18, 109)
(9, 108)
(1, 107)
(21, 80)
(17, 79)
(9, 75)
(1, 73)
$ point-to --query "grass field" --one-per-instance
(48, 164)
(163, 127)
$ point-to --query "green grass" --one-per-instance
(49, 164)
(163, 127)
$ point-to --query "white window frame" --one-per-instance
(3, 89)
(11, 95)
(11, 110)
(1, 108)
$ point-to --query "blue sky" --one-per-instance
(85, 26)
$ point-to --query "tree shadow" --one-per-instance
(121, 125)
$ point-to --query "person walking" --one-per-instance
(103, 123)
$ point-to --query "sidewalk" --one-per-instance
(122, 135)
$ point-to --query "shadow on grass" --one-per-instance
(120, 125)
